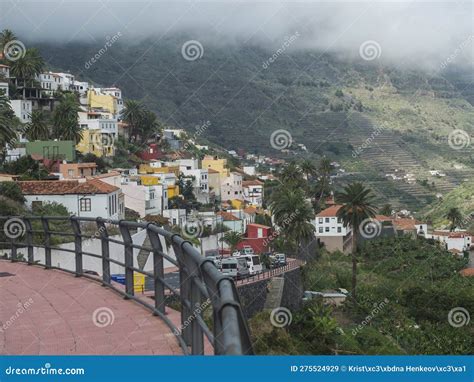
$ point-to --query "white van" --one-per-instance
(235, 267)
(254, 264)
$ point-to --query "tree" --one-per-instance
(308, 168)
(11, 190)
(292, 176)
(324, 169)
(6, 36)
(455, 217)
(232, 239)
(386, 210)
(38, 127)
(66, 120)
(356, 201)
(8, 123)
(132, 114)
(292, 214)
(25, 68)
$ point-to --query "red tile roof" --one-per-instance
(227, 215)
(467, 272)
(405, 224)
(330, 211)
(255, 182)
(65, 187)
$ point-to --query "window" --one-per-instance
(327, 220)
(327, 229)
(85, 204)
(320, 229)
(321, 220)
(70, 173)
(339, 229)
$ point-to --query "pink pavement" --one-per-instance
(52, 312)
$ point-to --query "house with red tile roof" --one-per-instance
(90, 198)
(331, 231)
(456, 242)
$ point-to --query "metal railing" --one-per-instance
(268, 274)
(201, 284)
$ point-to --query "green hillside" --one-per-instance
(330, 105)
(462, 198)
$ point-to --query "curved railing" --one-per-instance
(201, 284)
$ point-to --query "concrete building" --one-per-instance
(253, 192)
(77, 170)
(54, 150)
(22, 109)
(146, 200)
(231, 187)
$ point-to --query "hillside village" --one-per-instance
(116, 160)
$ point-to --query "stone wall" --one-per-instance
(293, 290)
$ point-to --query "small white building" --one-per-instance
(91, 198)
(176, 216)
(250, 170)
(22, 109)
(146, 200)
(459, 241)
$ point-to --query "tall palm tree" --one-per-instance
(455, 217)
(324, 169)
(6, 36)
(38, 127)
(308, 168)
(356, 201)
(293, 214)
(132, 114)
(8, 123)
(65, 119)
(26, 68)
(292, 176)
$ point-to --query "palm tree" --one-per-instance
(292, 214)
(308, 168)
(26, 68)
(133, 114)
(38, 128)
(356, 201)
(65, 119)
(8, 125)
(455, 216)
(291, 175)
(232, 239)
(386, 210)
(6, 36)
(324, 169)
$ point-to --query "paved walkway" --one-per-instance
(53, 312)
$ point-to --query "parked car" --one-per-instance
(235, 267)
(253, 263)
(280, 259)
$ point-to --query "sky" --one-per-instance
(403, 31)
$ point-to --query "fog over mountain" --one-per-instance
(407, 32)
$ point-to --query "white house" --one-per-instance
(94, 120)
(146, 200)
(22, 109)
(91, 198)
(231, 187)
(457, 241)
(331, 231)
(249, 170)
(253, 192)
(176, 216)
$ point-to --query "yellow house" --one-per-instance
(173, 191)
(102, 101)
(147, 169)
(151, 180)
(214, 163)
(94, 142)
(237, 204)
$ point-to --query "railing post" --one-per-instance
(104, 235)
(158, 270)
(77, 245)
(47, 243)
(29, 240)
(128, 253)
(197, 346)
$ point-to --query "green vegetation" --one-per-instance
(407, 288)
